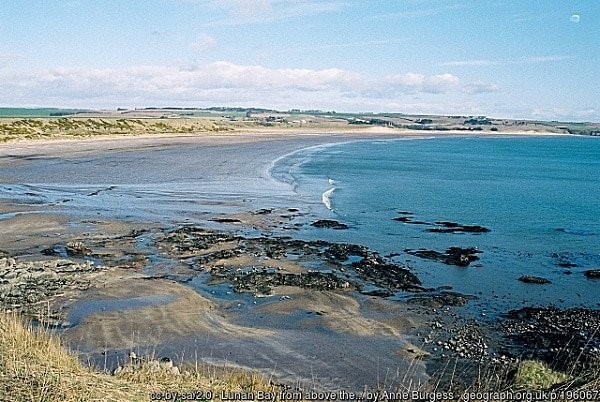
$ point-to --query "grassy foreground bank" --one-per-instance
(34, 367)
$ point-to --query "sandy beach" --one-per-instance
(57, 194)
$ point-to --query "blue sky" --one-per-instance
(517, 59)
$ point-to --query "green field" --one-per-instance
(36, 112)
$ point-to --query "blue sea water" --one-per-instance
(539, 196)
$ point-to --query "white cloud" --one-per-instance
(470, 63)
(226, 83)
(237, 12)
(509, 62)
(419, 13)
(565, 113)
(367, 43)
(479, 87)
(546, 59)
(245, 8)
(204, 43)
(171, 82)
(422, 83)
(6, 58)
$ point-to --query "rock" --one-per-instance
(51, 251)
(263, 211)
(333, 266)
(378, 292)
(534, 279)
(341, 252)
(385, 274)
(592, 274)
(226, 220)
(564, 259)
(453, 227)
(77, 248)
(441, 299)
(261, 280)
(166, 363)
(441, 226)
(329, 224)
(408, 219)
(25, 286)
(458, 256)
(565, 339)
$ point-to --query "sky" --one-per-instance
(534, 59)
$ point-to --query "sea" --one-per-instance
(538, 196)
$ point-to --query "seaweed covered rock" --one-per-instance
(329, 224)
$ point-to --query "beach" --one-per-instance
(195, 255)
(231, 176)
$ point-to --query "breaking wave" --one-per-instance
(326, 197)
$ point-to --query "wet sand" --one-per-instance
(99, 190)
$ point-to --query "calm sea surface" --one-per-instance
(540, 197)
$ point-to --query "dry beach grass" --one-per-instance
(35, 367)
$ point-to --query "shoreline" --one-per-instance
(280, 133)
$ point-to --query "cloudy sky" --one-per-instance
(520, 59)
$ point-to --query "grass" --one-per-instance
(44, 128)
(532, 374)
(35, 367)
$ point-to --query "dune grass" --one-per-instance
(533, 374)
(76, 128)
(35, 367)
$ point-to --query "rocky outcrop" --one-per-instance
(538, 280)
(387, 275)
(77, 249)
(261, 280)
(441, 299)
(342, 252)
(458, 256)
(329, 224)
(25, 286)
(592, 274)
(328, 266)
(441, 226)
(545, 333)
(453, 227)
(226, 220)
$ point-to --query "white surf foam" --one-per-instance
(326, 197)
